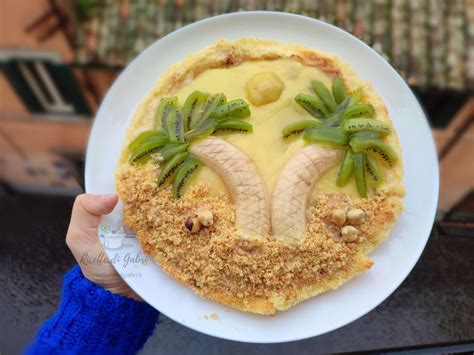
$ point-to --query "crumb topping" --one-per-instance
(216, 260)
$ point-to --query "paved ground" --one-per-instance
(433, 305)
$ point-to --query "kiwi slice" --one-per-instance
(211, 103)
(333, 121)
(145, 136)
(374, 146)
(166, 105)
(324, 94)
(170, 150)
(298, 127)
(233, 125)
(190, 110)
(354, 125)
(311, 104)
(333, 136)
(141, 154)
(358, 110)
(374, 170)
(338, 90)
(366, 134)
(184, 172)
(346, 169)
(171, 167)
(204, 129)
(175, 126)
(235, 109)
(343, 105)
(196, 115)
(359, 173)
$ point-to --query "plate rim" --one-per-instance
(432, 212)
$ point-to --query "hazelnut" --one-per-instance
(193, 224)
(349, 233)
(338, 216)
(205, 217)
(356, 216)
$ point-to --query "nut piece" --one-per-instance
(349, 233)
(338, 216)
(294, 69)
(205, 217)
(193, 224)
(356, 216)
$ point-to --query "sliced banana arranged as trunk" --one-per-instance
(294, 186)
(243, 181)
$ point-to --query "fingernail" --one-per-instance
(106, 196)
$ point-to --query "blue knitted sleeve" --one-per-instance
(92, 320)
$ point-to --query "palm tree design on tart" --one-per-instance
(343, 126)
(182, 140)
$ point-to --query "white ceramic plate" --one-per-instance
(393, 260)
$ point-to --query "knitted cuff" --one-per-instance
(92, 320)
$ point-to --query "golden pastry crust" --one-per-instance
(265, 275)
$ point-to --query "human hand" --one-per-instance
(83, 241)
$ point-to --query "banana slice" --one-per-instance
(293, 188)
(243, 181)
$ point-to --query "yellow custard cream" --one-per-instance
(268, 150)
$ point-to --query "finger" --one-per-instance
(88, 209)
(95, 204)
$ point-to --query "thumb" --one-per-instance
(88, 209)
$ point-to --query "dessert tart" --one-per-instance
(261, 174)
